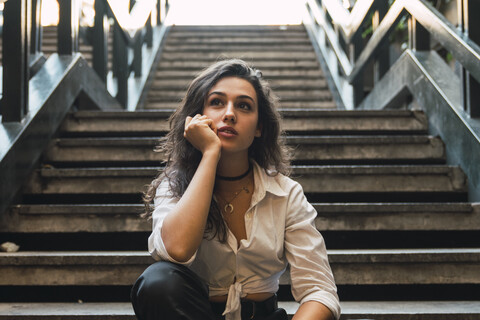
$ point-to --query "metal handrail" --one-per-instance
(349, 22)
(450, 98)
(34, 103)
(132, 28)
(461, 47)
(466, 51)
(133, 22)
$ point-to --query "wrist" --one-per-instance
(213, 152)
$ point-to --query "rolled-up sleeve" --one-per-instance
(164, 202)
(310, 272)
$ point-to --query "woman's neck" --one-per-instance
(232, 166)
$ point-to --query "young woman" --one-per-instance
(227, 219)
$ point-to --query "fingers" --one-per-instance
(198, 118)
(212, 125)
(198, 121)
(187, 121)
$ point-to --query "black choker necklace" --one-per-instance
(243, 175)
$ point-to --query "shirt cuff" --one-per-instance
(159, 252)
(325, 298)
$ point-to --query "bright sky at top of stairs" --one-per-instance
(236, 12)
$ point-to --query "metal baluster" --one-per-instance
(120, 64)
(468, 11)
(36, 35)
(356, 47)
(16, 58)
(67, 31)
(137, 49)
(100, 40)
(382, 62)
(419, 37)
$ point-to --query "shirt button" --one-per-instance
(249, 215)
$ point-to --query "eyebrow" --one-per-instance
(224, 95)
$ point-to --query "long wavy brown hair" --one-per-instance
(182, 159)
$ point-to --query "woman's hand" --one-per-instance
(201, 132)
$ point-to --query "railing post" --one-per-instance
(36, 35)
(137, 49)
(137, 54)
(149, 33)
(100, 40)
(120, 63)
(356, 47)
(160, 11)
(419, 37)
(468, 17)
(67, 31)
(382, 62)
(16, 56)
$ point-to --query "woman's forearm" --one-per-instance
(183, 228)
(313, 310)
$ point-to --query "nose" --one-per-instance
(229, 115)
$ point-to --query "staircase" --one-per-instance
(403, 240)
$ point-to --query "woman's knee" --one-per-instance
(166, 280)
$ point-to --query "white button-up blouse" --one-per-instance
(280, 229)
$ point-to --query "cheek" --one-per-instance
(209, 113)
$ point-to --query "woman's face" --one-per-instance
(233, 106)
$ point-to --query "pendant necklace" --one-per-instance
(228, 208)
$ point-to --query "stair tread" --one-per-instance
(315, 179)
(287, 113)
(354, 149)
(369, 256)
(300, 119)
(244, 54)
(349, 266)
(91, 310)
(308, 140)
(322, 208)
(238, 40)
(296, 170)
(331, 217)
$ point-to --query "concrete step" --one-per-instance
(285, 67)
(60, 218)
(209, 31)
(325, 105)
(238, 28)
(275, 84)
(268, 74)
(350, 267)
(314, 179)
(272, 64)
(295, 96)
(250, 56)
(237, 47)
(221, 39)
(379, 310)
(302, 120)
(177, 34)
(397, 216)
(404, 149)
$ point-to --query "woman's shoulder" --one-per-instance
(280, 182)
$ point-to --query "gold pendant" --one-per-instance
(228, 208)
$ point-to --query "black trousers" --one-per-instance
(168, 291)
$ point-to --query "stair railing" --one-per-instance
(132, 28)
(37, 93)
(419, 78)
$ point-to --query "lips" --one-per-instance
(227, 131)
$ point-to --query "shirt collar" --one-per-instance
(265, 183)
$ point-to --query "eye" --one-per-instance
(244, 106)
(215, 102)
